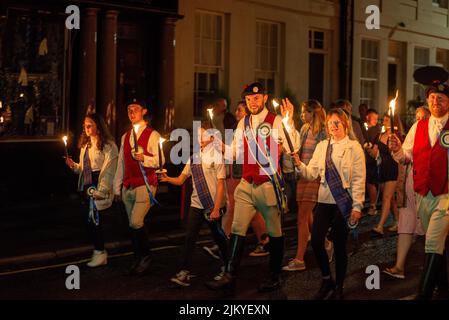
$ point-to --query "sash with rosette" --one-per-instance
(202, 189)
(444, 142)
(264, 131)
(145, 178)
(91, 188)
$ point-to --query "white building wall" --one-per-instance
(296, 18)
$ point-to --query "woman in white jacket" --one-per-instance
(98, 162)
(340, 164)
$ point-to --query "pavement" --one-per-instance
(37, 233)
(46, 280)
(56, 228)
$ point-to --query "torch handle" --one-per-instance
(136, 147)
(289, 141)
(160, 157)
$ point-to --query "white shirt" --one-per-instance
(96, 158)
(149, 161)
(349, 159)
(104, 161)
(405, 154)
(214, 169)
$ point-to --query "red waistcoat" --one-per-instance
(251, 171)
(429, 163)
(132, 176)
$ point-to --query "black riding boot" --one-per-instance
(442, 281)
(276, 248)
(429, 276)
(141, 250)
(227, 281)
(326, 290)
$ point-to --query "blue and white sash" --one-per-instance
(266, 163)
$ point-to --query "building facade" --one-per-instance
(412, 34)
(288, 45)
(52, 75)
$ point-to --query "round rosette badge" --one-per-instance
(90, 191)
(444, 139)
(264, 130)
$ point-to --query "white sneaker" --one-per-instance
(294, 265)
(182, 278)
(99, 258)
(213, 251)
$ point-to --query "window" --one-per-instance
(31, 76)
(317, 40)
(369, 73)
(421, 60)
(267, 54)
(209, 35)
(440, 3)
(317, 64)
(443, 58)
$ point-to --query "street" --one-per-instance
(111, 282)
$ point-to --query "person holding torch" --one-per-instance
(257, 146)
(96, 169)
(136, 179)
(339, 162)
(426, 146)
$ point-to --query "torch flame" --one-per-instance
(285, 121)
(65, 140)
(392, 104)
(1, 119)
(136, 128)
(275, 103)
(366, 126)
(211, 115)
(161, 141)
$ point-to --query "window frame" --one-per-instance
(199, 66)
(259, 72)
(370, 101)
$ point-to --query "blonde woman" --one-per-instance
(340, 164)
(312, 132)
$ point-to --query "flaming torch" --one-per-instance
(65, 146)
(161, 141)
(392, 107)
(136, 129)
(211, 116)
(275, 104)
(286, 128)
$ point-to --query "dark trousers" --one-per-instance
(95, 231)
(325, 216)
(196, 219)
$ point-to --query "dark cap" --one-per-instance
(254, 88)
(434, 77)
(138, 101)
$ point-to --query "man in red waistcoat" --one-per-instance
(426, 146)
(130, 185)
(256, 191)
